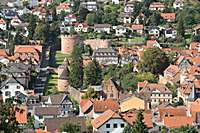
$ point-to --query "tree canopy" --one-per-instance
(70, 128)
(154, 60)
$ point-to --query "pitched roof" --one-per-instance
(131, 117)
(21, 114)
(53, 124)
(57, 98)
(177, 121)
(102, 26)
(151, 43)
(172, 70)
(157, 5)
(63, 6)
(137, 27)
(172, 111)
(168, 16)
(47, 111)
(102, 105)
(85, 104)
(150, 87)
(142, 84)
(107, 115)
(3, 53)
(26, 48)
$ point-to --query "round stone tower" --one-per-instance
(68, 42)
(63, 74)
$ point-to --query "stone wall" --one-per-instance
(67, 43)
(97, 43)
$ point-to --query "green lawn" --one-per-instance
(53, 77)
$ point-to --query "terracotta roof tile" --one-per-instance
(157, 5)
(2, 21)
(177, 121)
(21, 114)
(168, 16)
(63, 6)
(103, 105)
(3, 53)
(85, 104)
(107, 115)
(137, 27)
(131, 116)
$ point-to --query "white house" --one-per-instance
(129, 8)
(109, 122)
(119, 30)
(102, 28)
(81, 27)
(154, 31)
(65, 7)
(157, 6)
(170, 33)
(70, 18)
(90, 5)
(178, 4)
(15, 21)
(11, 88)
(115, 2)
(3, 24)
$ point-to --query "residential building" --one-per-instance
(11, 88)
(157, 6)
(129, 8)
(153, 31)
(178, 4)
(100, 106)
(110, 122)
(134, 102)
(81, 27)
(70, 18)
(99, 28)
(152, 43)
(157, 93)
(119, 30)
(169, 17)
(65, 7)
(138, 28)
(170, 33)
(105, 56)
(52, 124)
(197, 29)
(115, 2)
(90, 5)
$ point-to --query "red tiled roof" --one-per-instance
(194, 45)
(107, 115)
(103, 105)
(167, 16)
(157, 5)
(85, 104)
(63, 6)
(172, 69)
(142, 84)
(130, 117)
(150, 43)
(177, 121)
(3, 53)
(137, 26)
(21, 114)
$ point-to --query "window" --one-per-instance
(40, 117)
(111, 95)
(6, 87)
(115, 125)
(122, 125)
(8, 93)
(18, 87)
(17, 92)
(107, 125)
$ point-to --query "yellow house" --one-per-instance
(133, 103)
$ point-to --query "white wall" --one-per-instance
(103, 128)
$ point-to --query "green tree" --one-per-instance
(128, 129)
(155, 19)
(139, 126)
(8, 123)
(184, 129)
(150, 77)
(93, 74)
(90, 94)
(82, 14)
(70, 128)
(76, 68)
(90, 19)
(180, 27)
(154, 60)
(31, 26)
(41, 31)
(128, 82)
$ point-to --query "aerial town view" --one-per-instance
(99, 66)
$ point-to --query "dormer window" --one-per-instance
(6, 87)
(18, 87)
